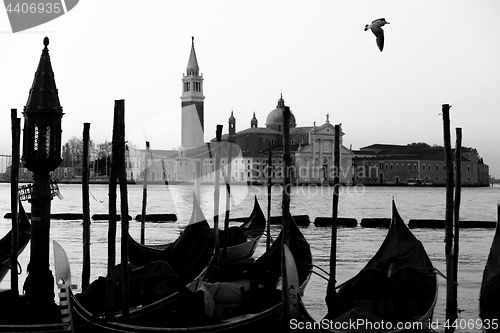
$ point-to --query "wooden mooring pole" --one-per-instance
(285, 213)
(228, 198)
(122, 177)
(86, 208)
(218, 136)
(145, 194)
(451, 308)
(117, 141)
(110, 280)
(197, 179)
(335, 207)
(456, 214)
(14, 192)
(269, 189)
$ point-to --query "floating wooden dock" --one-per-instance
(105, 217)
(159, 218)
(57, 216)
(301, 220)
(341, 222)
(376, 222)
(439, 224)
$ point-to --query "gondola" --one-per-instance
(489, 295)
(256, 302)
(24, 236)
(182, 265)
(395, 292)
(241, 245)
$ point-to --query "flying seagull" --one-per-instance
(376, 28)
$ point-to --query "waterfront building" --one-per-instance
(161, 164)
(178, 166)
(415, 164)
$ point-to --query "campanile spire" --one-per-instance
(192, 103)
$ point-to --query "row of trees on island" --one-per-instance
(99, 156)
(72, 161)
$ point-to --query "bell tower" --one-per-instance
(232, 124)
(253, 122)
(192, 103)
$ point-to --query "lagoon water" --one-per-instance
(354, 248)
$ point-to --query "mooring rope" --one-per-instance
(100, 201)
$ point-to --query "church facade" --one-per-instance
(311, 149)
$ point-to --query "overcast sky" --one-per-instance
(314, 52)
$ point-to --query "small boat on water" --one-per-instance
(489, 295)
(24, 236)
(398, 287)
(242, 241)
(243, 300)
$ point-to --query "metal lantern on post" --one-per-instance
(41, 155)
(42, 120)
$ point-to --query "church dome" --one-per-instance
(274, 119)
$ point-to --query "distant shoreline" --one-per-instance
(239, 183)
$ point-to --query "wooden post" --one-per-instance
(218, 135)
(451, 311)
(228, 199)
(117, 141)
(335, 207)
(14, 192)
(285, 213)
(458, 189)
(113, 172)
(86, 208)
(269, 189)
(164, 171)
(144, 193)
(122, 177)
(197, 180)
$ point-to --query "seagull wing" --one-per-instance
(380, 40)
(379, 33)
